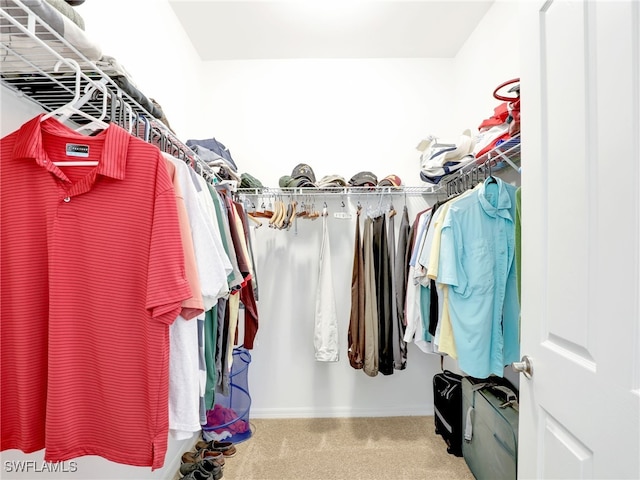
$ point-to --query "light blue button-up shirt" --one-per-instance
(477, 261)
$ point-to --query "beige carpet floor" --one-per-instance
(390, 448)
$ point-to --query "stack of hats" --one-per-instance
(301, 176)
(390, 181)
(332, 181)
(363, 179)
(369, 179)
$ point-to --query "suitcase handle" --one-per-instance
(510, 396)
(468, 426)
(452, 381)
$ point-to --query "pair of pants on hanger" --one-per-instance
(325, 334)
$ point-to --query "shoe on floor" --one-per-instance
(202, 454)
(227, 448)
(197, 475)
(209, 468)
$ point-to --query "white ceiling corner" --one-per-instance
(266, 29)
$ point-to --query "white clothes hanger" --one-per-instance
(96, 123)
(65, 112)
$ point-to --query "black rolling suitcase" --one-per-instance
(447, 405)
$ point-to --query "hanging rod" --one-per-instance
(508, 151)
(311, 191)
(486, 165)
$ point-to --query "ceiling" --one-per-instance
(264, 29)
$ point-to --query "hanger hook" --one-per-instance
(78, 83)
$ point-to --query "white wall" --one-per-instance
(284, 378)
(339, 116)
(148, 40)
(489, 57)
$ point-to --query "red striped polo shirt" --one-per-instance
(92, 277)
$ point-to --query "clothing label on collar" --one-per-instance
(75, 150)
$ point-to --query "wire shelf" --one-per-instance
(502, 156)
(39, 64)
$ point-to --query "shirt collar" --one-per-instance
(503, 204)
(114, 153)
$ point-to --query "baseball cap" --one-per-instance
(304, 170)
(287, 181)
(284, 181)
(329, 181)
(390, 181)
(363, 179)
(249, 181)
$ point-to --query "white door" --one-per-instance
(579, 413)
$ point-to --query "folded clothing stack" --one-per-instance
(438, 160)
(223, 169)
(65, 7)
(216, 147)
(60, 18)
